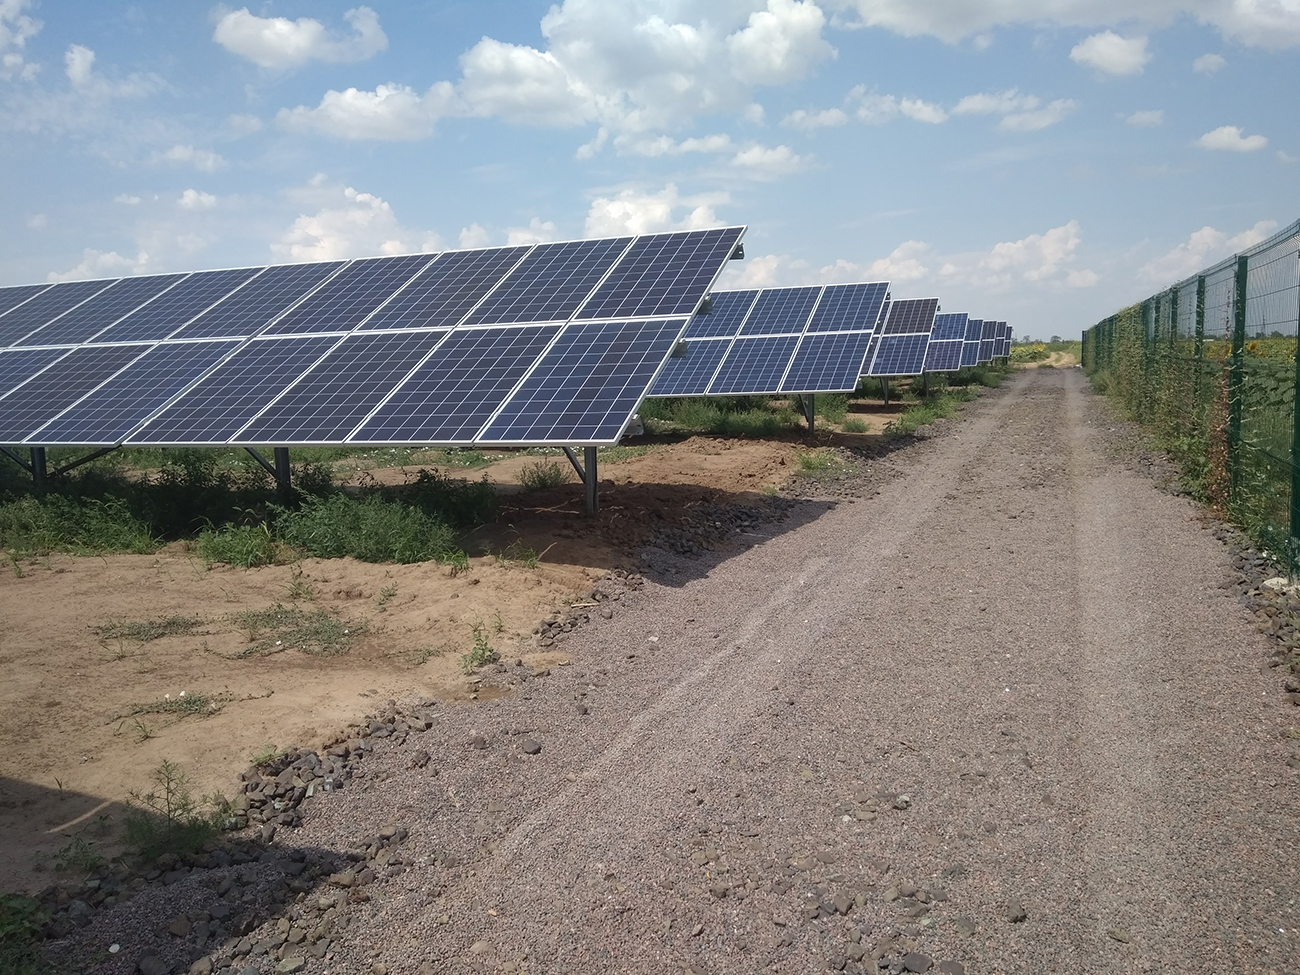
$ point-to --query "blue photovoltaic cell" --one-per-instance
(51, 392)
(988, 335)
(116, 408)
(871, 354)
(13, 297)
(949, 326)
(346, 299)
(729, 310)
(974, 329)
(456, 390)
(46, 307)
(550, 282)
(252, 307)
(234, 392)
(986, 350)
(19, 366)
(827, 363)
(587, 386)
(970, 354)
(82, 322)
(911, 316)
(989, 331)
(343, 388)
(691, 374)
(169, 311)
(900, 355)
(944, 356)
(663, 274)
(846, 307)
(446, 289)
(781, 310)
(754, 365)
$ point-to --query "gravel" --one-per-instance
(1003, 716)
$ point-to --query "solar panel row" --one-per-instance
(508, 344)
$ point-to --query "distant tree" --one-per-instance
(1056, 338)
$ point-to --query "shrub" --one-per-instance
(371, 529)
(854, 425)
(244, 546)
(40, 525)
(542, 476)
(167, 818)
(21, 925)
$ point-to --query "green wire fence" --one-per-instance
(1210, 366)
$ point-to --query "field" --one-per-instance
(161, 606)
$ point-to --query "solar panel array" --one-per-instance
(777, 340)
(988, 341)
(904, 338)
(547, 343)
(946, 341)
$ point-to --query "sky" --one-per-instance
(1044, 162)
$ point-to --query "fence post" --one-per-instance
(1173, 317)
(1236, 377)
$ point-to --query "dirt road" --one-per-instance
(999, 718)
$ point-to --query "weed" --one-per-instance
(77, 854)
(146, 631)
(142, 731)
(770, 490)
(184, 703)
(517, 553)
(542, 475)
(299, 587)
(167, 818)
(819, 463)
(22, 927)
(244, 546)
(267, 755)
(612, 455)
(481, 653)
(17, 566)
(371, 529)
(53, 523)
(853, 425)
(289, 628)
(387, 593)
(832, 406)
(422, 655)
(924, 413)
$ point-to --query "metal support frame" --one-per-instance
(884, 389)
(39, 468)
(1237, 375)
(280, 469)
(588, 474)
(25, 465)
(808, 407)
(925, 385)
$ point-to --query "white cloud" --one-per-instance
(37, 221)
(635, 212)
(16, 29)
(663, 145)
(537, 232)
(780, 44)
(79, 63)
(904, 263)
(280, 43)
(996, 103)
(1229, 138)
(768, 163)
(474, 236)
(756, 272)
(876, 109)
(1048, 115)
(390, 112)
(193, 199)
(1201, 249)
(243, 124)
(126, 199)
(102, 264)
(809, 120)
(1035, 257)
(1271, 24)
(1082, 279)
(1112, 54)
(204, 160)
(79, 66)
(1145, 119)
(1286, 157)
(1209, 63)
(347, 224)
(523, 85)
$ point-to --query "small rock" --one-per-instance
(719, 890)
(294, 963)
(479, 742)
(1016, 912)
(202, 967)
(1119, 934)
(903, 802)
(951, 968)
(150, 964)
(530, 746)
(379, 968)
(479, 948)
(180, 927)
(268, 832)
(965, 927)
(914, 961)
(420, 759)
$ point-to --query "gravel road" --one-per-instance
(998, 718)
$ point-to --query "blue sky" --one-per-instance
(1040, 161)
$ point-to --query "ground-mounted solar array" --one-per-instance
(904, 338)
(551, 343)
(777, 340)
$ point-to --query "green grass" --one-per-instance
(612, 455)
(282, 628)
(819, 463)
(735, 416)
(542, 475)
(22, 924)
(928, 411)
(183, 703)
(853, 425)
(53, 523)
(168, 819)
(832, 406)
(146, 631)
(244, 546)
(370, 529)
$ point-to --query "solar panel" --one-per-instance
(846, 307)
(13, 297)
(550, 283)
(173, 308)
(81, 323)
(50, 392)
(943, 356)
(900, 355)
(445, 290)
(949, 326)
(691, 373)
(345, 300)
(233, 393)
(754, 365)
(662, 274)
(454, 392)
(587, 385)
(911, 316)
(781, 310)
(254, 306)
(970, 349)
(342, 389)
(45, 307)
(121, 404)
(17, 366)
(724, 321)
(827, 363)
(988, 335)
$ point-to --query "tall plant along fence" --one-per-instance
(1210, 366)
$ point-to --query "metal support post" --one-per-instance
(884, 389)
(39, 470)
(283, 473)
(593, 500)
(1237, 376)
(808, 405)
(925, 385)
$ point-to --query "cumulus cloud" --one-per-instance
(768, 163)
(1082, 279)
(1041, 118)
(1112, 54)
(280, 43)
(348, 223)
(79, 66)
(389, 113)
(127, 199)
(1145, 119)
(1229, 138)
(1208, 63)
(474, 236)
(1203, 248)
(243, 124)
(996, 103)
(664, 145)
(193, 199)
(523, 85)
(16, 29)
(204, 160)
(633, 211)
(537, 232)
(780, 44)
(1035, 257)
(808, 120)
(102, 264)
(1273, 24)
(876, 109)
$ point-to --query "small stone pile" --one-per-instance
(611, 588)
